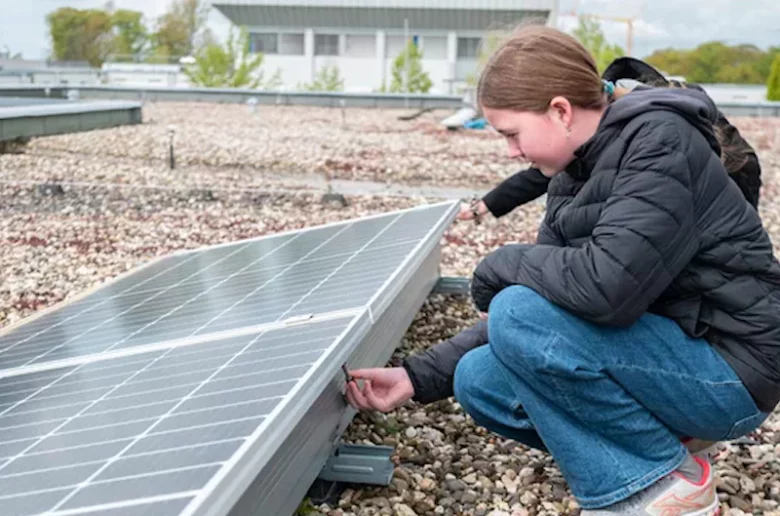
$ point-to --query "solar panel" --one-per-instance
(226, 287)
(26, 117)
(38, 107)
(165, 389)
(159, 423)
(28, 101)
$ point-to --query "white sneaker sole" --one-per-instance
(712, 510)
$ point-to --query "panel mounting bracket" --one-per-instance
(359, 464)
(452, 285)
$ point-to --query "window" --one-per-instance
(291, 44)
(326, 45)
(360, 45)
(394, 45)
(468, 48)
(434, 47)
(267, 43)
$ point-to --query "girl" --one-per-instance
(641, 315)
(737, 155)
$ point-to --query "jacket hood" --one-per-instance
(632, 68)
(695, 106)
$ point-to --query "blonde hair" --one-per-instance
(537, 64)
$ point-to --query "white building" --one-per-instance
(363, 37)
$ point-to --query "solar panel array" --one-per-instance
(28, 101)
(141, 397)
(19, 107)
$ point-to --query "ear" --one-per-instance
(561, 109)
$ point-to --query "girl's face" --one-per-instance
(541, 138)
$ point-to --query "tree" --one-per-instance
(80, 35)
(765, 62)
(706, 61)
(589, 33)
(417, 80)
(773, 84)
(328, 78)
(130, 34)
(669, 60)
(715, 61)
(230, 66)
(178, 29)
(742, 73)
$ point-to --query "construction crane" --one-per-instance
(628, 21)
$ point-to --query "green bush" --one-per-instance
(328, 78)
(773, 84)
(230, 66)
(419, 82)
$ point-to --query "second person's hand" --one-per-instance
(467, 213)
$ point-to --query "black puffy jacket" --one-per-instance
(527, 185)
(645, 220)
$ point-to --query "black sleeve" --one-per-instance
(748, 178)
(517, 189)
(432, 372)
(646, 234)
(744, 169)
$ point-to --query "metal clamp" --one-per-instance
(452, 285)
(360, 464)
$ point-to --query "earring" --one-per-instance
(568, 132)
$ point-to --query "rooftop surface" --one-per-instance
(78, 209)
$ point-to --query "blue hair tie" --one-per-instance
(609, 87)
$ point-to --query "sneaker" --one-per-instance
(673, 495)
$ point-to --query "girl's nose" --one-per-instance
(515, 152)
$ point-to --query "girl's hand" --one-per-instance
(384, 389)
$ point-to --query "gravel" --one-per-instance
(368, 145)
(79, 209)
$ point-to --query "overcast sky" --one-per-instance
(664, 23)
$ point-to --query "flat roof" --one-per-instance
(488, 5)
(328, 18)
(426, 15)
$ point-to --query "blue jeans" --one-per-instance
(609, 404)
